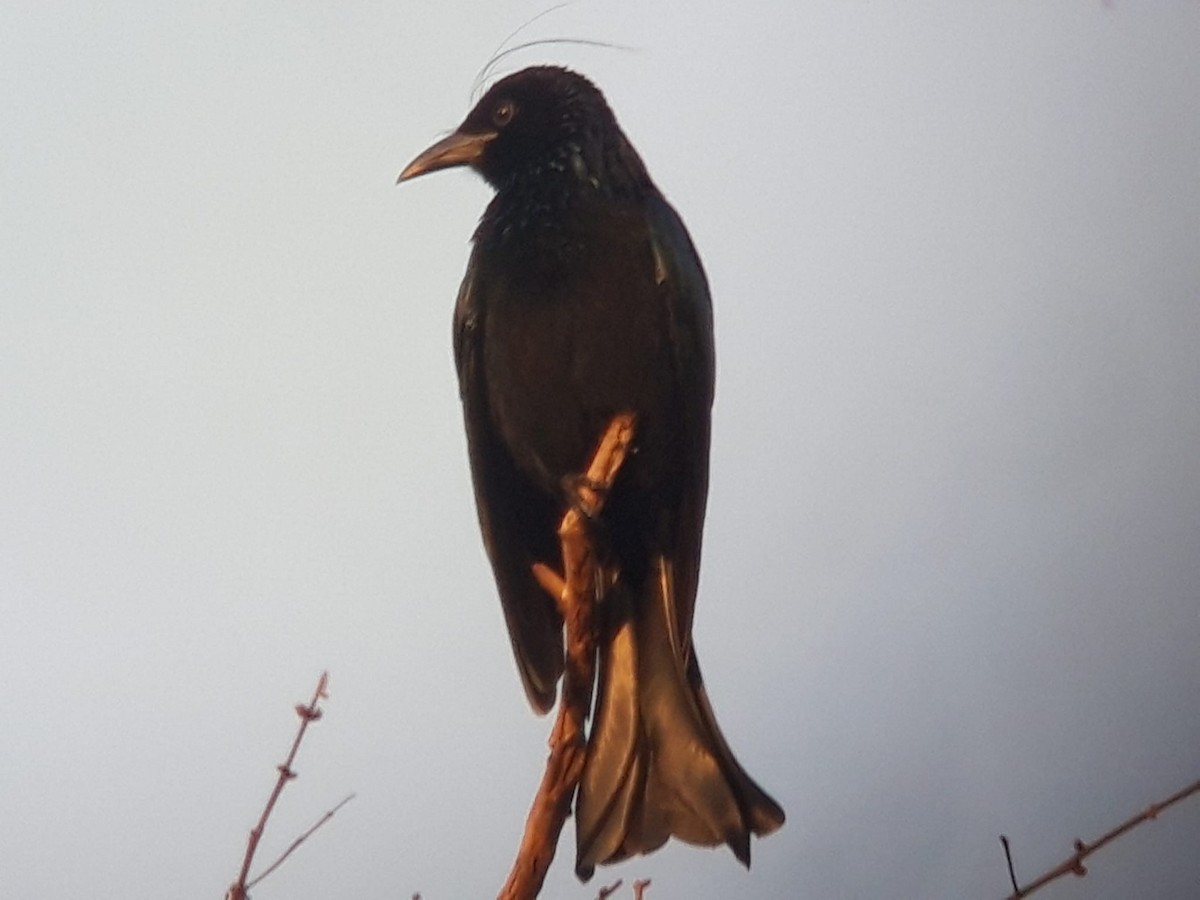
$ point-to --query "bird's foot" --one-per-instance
(584, 495)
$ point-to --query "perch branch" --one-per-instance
(574, 591)
(307, 714)
(1073, 864)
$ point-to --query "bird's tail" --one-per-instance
(657, 764)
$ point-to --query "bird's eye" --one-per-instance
(503, 113)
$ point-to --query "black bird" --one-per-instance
(584, 297)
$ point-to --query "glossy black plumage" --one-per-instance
(584, 297)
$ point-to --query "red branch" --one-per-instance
(1073, 864)
(574, 592)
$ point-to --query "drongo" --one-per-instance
(584, 297)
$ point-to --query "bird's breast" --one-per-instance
(572, 337)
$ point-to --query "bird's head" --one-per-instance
(534, 123)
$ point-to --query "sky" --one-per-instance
(951, 585)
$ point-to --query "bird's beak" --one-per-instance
(459, 149)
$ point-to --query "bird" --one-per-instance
(584, 297)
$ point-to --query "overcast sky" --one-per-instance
(952, 574)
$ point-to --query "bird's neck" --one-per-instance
(550, 200)
(560, 198)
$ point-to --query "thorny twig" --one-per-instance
(1073, 864)
(298, 841)
(307, 714)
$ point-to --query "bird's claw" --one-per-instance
(584, 495)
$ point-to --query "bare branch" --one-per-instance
(1073, 864)
(307, 714)
(574, 592)
(298, 841)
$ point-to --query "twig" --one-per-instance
(639, 888)
(1073, 864)
(606, 892)
(1012, 874)
(307, 714)
(298, 841)
(574, 591)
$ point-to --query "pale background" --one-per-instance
(952, 582)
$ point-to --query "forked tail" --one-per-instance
(657, 764)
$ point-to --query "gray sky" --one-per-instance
(952, 579)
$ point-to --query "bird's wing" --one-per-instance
(685, 289)
(512, 513)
